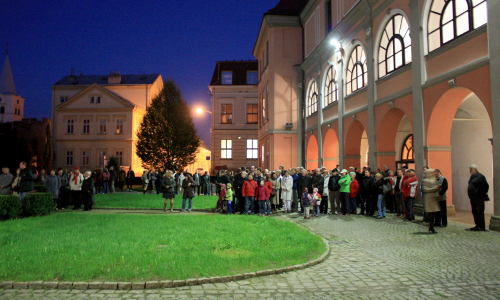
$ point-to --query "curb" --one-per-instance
(158, 209)
(100, 285)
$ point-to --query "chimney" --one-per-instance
(114, 78)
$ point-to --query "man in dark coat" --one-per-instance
(239, 179)
(478, 193)
(334, 191)
(130, 179)
(25, 180)
(87, 191)
(63, 189)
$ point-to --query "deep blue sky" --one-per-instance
(180, 39)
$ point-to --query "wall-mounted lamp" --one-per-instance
(391, 104)
(452, 83)
(329, 126)
(354, 117)
(289, 126)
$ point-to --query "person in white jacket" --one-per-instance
(75, 184)
(286, 191)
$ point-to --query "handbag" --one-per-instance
(273, 193)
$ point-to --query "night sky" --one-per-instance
(179, 39)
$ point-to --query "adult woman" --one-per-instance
(364, 189)
(378, 193)
(286, 191)
(431, 205)
(105, 180)
(353, 192)
(52, 184)
(188, 187)
(275, 201)
(87, 191)
(145, 181)
(269, 186)
(179, 182)
(168, 184)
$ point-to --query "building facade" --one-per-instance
(97, 116)
(234, 115)
(11, 104)
(410, 82)
(202, 161)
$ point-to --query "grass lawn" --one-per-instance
(135, 200)
(127, 247)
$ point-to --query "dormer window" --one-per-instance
(95, 99)
(63, 99)
(227, 77)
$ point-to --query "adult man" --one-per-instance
(112, 179)
(239, 179)
(75, 184)
(398, 194)
(197, 182)
(324, 195)
(63, 189)
(25, 180)
(410, 191)
(130, 179)
(295, 177)
(5, 181)
(442, 216)
(334, 191)
(344, 183)
(122, 175)
(478, 193)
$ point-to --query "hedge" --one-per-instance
(39, 188)
(35, 204)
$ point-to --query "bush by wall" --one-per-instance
(39, 188)
(35, 204)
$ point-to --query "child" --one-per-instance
(316, 201)
(262, 195)
(229, 199)
(306, 203)
(222, 194)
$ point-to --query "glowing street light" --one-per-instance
(200, 110)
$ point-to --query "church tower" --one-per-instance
(11, 104)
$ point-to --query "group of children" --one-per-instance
(309, 200)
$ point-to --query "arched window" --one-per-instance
(407, 153)
(356, 75)
(312, 98)
(331, 87)
(395, 46)
(449, 19)
(2, 110)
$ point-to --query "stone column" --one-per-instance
(418, 103)
(494, 50)
(340, 104)
(372, 143)
(320, 115)
(300, 119)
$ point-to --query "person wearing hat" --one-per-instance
(75, 184)
(334, 191)
(344, 183)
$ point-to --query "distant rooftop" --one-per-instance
(7, 85)
(239, 69)
(103, 79)
(288, 8)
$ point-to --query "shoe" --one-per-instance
(346, 214)
(183, 210)
(431, 230)
(189, 210)
(379, 217)
(443, 226)
(478, 229)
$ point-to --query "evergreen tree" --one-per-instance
(48, 156)
(167, 138)
(113, 162)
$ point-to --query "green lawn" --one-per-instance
(126, 247)
(148, 201)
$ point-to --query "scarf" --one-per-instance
(75, 177)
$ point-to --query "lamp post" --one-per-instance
(200, 110)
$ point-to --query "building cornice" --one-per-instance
(270, 21)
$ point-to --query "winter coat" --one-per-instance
(88, 190)
(306, 182)
(354, 188)
(222, 193)
(112, 175)
(170, 182)
(333, 183)
(229, 192)
(64, 180)
(262, 193)
(377, 187)
(306, 199)
(443, 187)
(6, 181)
(52, 184)
(122, 175)
(429, 188)
(197, 179)
(366, 186)
(316, 199)
(478, 187)
(248, 189)
(411, 185)
(76, 186)
(295, 181)
(145, 178)
(344, 184)
(25, 181)
(325, 185)
(286, 183)
(188, 189)
(106, 176)
(319, 183)
(269, 186)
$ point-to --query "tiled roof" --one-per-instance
(7, 85)
(103, 79)
(239, 69)
(288, 8)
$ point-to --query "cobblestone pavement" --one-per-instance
(369, 259)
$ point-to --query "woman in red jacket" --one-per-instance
(248, 191)
(269, 186)
(262, 195)
(354, 189)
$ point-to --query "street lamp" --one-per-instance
(200, 110)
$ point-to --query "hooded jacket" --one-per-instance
(229, 193)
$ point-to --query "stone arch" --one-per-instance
(356, 146)
(386, 138)
(312, 153)
(330, 149)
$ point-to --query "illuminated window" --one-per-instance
(70, 126)
(226, 149)
(407, 153)
(449, 19)
(331, 87)
(252, 113)
(312, 98)
(227, 77)
(85, 158)
(227, 114)
(86, 126)
(356, 75)
(252, 149)
(395, 46)
(119, 126)
(69, 158)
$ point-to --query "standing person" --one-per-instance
(229, 198)
(344, 183)
(222, 196)
(180, 179)
(274, 193)
(319, 183)
(145, 181)
(286, 187)
(15, 183)
(442, 215)
(248, 191)
(411, 188)
(398, 194)
(122, 175)
(75, 184)
(168, 184)
(378, 188)
(158, 182)
(365, 191)
(334, 191)
(63, 189)
(262, 195)
(269, 187)
(112, 179)
(306, 202)
(130, 179)
(324, 195)
(390, 197)
(478, 193)
(106, 176)
(100, 181)
(152, 182)
(197, 182)
(52, 184)
(205, 180)
(87, 191)
(6, 180)
(353, 192)
(42, 177)
(316, 202)
(431, 206)
(306, 182)
(295, 196)
(188, 187)
(25, 180)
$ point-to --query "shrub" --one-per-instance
(39, 188)
(37, 204)
(10, 207)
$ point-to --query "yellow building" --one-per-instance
(202, 160)
(97, 116)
